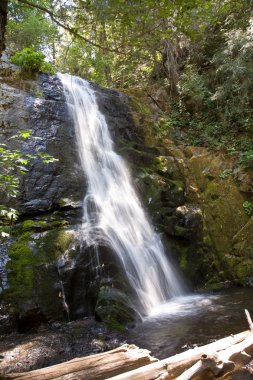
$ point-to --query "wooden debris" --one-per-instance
(221, 361)
(128, 362)
(172, 367)
(249, 320)
(94, 367)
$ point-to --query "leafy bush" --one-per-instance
(213, 106)
(232, 96)
(14, 163)
(225, 173)
(248, 208)
(246, 159)
(31, 61)
(192, 85)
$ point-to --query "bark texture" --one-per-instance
(94, 367)
(3, 23)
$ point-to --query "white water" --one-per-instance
(113, 215)
(182, 306)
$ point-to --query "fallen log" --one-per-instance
(172, 367)
(221, 361)
(94, 367)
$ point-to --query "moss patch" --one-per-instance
(33, 269)
(113, 308)
(51, 244)
(42, 225)
(21, 274)
(244, 271)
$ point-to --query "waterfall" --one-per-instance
(112, 213)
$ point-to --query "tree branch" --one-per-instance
(64, 26)
(75, 33)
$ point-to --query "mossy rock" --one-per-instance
(52, 244)
(186, 222)
(219, 198)
(42, 225)
(244, 272)
(69, 204)
(242, 243)
(150, 187)
(21, 276)
(174, 193)
(169, 166)
(113, 307)
(33, 275)
(184, 260)
(216, 286)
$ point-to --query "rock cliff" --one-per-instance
(193, 200)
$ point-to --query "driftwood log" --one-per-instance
(221, 361)
(95, 367)
(172, 367)
(131, 363)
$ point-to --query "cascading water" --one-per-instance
(113, 215)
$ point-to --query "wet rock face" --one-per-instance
(52, 133)
(163, 188)
(44, 111)
(51, 274)
(45, 185)
(4, 258)
(115, 107)
(210, 230)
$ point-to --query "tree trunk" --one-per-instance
(3, 23)
(104, 42)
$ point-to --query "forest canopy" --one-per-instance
(113, 42)
(198, 52)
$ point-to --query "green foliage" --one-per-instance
(248, 208)
(123, 41)
(226, 173)
(213, 105)
(234, 80)
(192, 86)
(8, 215)
(14, 163)
(28, 28)
(162, 127)
(115, 43)
(46, 158)
(120, 44)
(31, 61)
(246, 159)
(21, 276)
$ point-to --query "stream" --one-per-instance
(193, 320)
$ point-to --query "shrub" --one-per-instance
(31, 61)
(192, 86)
(248, 208)
(246, 159)
(14, 163)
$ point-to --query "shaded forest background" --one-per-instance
(197, 54)
(187, 65)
